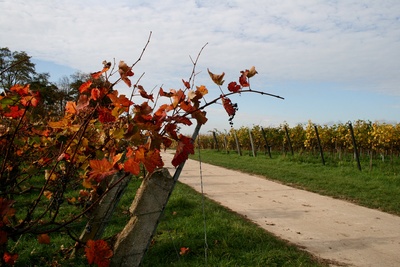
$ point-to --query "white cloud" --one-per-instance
(351, 43)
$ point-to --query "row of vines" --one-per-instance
(372, 139)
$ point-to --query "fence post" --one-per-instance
(319, 145)
(226, 144)
(215, 140)
(288, 138)
(252, 143)
(266, 142)
(237, 143)
(355, 146)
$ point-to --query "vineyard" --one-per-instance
(353, 141)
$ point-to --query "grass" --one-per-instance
(377, 188)
(231, 239)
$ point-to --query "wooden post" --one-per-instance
(266, 143)
(289, 142)
(226, 145)
(319, 145)
(252, 143)
(215, 141)
(237, 143)
(355, 146)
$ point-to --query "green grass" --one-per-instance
(232, 240)
(378, 188)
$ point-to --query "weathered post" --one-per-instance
(319, 145)
(355, 146)
(266, 142)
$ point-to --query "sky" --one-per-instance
(332, 61)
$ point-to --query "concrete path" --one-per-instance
(336, 230)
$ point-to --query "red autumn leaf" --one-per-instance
(184, 148)
(85, 86)
(83, 102)
(171, 129)
(163, 93)
(187, 106)
(98, 252)
(6, 210)
(100, 169)
(153, 160)
(119, 100)
(230, 109)
(144, 94)
(10, 258)
(44, 239)
(181, 119)
(31, 100)
(3, 236)
(21, 90)
(184, 251)
(132, 166)
(217, 78)
(243, 79)
(200, 116)
(14, 112)
(187, 84)
(95, 94)
(105, 115)
(234, 87)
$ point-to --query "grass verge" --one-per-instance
(231, 239)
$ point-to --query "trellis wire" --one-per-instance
(203, 207)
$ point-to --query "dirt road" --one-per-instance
(331, 229)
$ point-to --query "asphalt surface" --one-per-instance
(331, 229)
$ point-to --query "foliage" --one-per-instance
(372, 138)
(66, 161)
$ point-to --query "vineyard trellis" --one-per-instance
(375, 140)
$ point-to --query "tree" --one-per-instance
(15, 68)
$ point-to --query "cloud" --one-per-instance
(354, 44)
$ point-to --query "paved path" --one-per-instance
(328, 228)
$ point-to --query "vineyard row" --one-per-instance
(364, 137)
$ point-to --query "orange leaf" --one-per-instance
(98, 252)
(21, 90)
(95, 93)
(10, 258)
(100, 169)
(85, 86)
(181, 119)
(44, 239)
(132, 166)
(184, 148)
(217, 78)
(124, 72)
(184, 250)
(70, 107)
